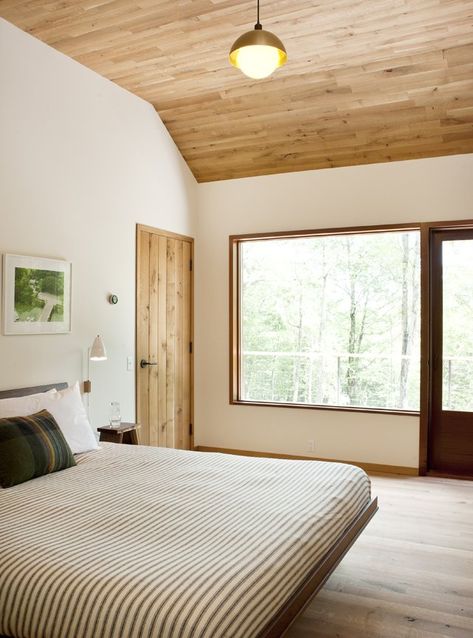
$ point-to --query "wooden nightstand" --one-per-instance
(123, 433)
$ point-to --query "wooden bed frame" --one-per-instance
(316, 577)
(24, 392)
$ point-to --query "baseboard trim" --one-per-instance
(371, 468)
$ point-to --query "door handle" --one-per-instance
(144, 363)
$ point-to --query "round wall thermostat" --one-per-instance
(113, 299)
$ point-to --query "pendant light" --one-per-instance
(258, 53)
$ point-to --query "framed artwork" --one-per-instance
(36, 295)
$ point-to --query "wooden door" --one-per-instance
(450, 442)
(164, 338)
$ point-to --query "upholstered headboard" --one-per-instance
(23, 392)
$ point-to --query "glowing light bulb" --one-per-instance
(258, 61)
(258, 53)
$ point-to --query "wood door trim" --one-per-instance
(427, 230)
(192, 350)
(436, 321)
(168, 235)
(425, 378)
(163, 233)
(138, 303)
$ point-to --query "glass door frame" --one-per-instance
(431, 269)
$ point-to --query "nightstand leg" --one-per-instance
(130, 437)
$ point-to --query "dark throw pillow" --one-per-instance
(31, 446)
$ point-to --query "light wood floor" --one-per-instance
(410, 574)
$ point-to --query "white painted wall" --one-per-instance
(81, 162)
(431, 189)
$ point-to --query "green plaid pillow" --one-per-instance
(31, 446)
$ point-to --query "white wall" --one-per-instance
(421, 190)
(81, 162)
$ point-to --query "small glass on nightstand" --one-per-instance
(115, 414)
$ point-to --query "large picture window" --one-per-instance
(328, 319)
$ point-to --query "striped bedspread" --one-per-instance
(139, 542)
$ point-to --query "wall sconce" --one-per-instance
(96, 352)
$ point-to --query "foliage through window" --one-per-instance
(331, 320)
(457, 267)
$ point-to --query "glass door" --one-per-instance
(451, 418)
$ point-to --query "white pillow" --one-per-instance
(23, 406)
(67, 408)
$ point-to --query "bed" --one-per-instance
(154, 542)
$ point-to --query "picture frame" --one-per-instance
(36, 295)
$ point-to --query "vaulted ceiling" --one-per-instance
(366, 80)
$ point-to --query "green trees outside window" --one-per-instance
(331, 320)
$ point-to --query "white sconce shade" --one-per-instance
(97, 351)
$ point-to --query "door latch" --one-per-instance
(145, 364)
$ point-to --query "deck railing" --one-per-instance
(455, 375)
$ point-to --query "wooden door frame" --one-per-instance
(427, 230)
(170, 235)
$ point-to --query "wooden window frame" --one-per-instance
(426, 229)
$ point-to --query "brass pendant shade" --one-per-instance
(258, 53)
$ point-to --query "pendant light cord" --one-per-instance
(258, 24)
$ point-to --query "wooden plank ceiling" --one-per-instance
(366, 80)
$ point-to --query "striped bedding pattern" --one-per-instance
(139, 542)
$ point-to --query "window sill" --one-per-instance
(336, 408)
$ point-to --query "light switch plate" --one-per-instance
(129, 364)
